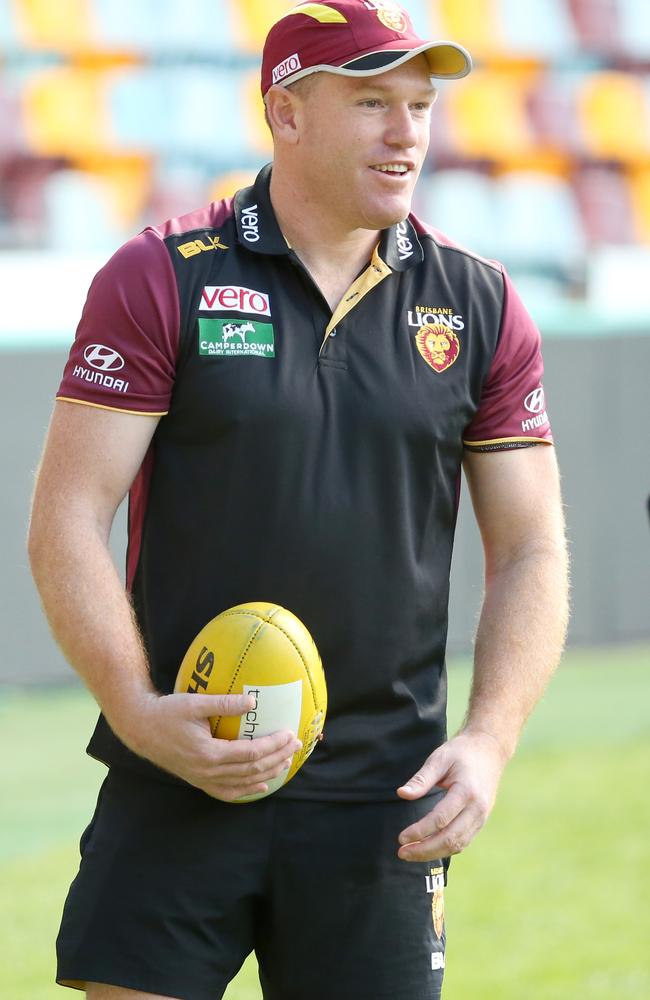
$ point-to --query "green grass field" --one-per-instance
(551, 902)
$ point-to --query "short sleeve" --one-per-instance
(512, 411)
(124, 352)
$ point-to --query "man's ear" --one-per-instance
(281, 108)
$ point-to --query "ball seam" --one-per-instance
(264, 620)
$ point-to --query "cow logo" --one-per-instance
(104, 359)
(534, 401)
(438, 345)
(235, 338)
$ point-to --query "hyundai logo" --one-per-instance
(534, 401)
(105, 359)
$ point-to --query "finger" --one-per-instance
(262, 770)
(442, 814)
(236, 792)
(430, 774)
(452, 840)
(252, 751)
(207, 705)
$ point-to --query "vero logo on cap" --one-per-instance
(289, 65)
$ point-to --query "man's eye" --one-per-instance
(371, 102)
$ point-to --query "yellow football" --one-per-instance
(263, 650)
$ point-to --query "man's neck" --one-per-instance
(333, 255)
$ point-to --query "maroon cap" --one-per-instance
(352, 38)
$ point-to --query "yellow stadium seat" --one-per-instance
(473, 23)
(614, 116)
(487, 117)
(257, 131)
(255, 17)
(127, 181)
(640, 194)
(226, 184)
(63, 112)
(62, 25)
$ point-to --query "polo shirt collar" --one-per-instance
(258, 229)
(257, 226)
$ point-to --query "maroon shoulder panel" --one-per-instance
(512, 410)
(124, 353)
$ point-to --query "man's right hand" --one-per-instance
(173, 731)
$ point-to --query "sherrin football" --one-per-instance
(265, 651)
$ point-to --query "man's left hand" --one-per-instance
(469, 767)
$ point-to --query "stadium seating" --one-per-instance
(537, 28)
(130, 110)
(474, 22)
(634, 28)
(461, 204)
(79, 213)
(614, 116)
(604, 196)
(539, 223)
(597, 25)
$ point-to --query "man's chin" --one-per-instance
(386, 215)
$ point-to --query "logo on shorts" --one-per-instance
(436, 886)
(104, 359)
(235, 338)
(438, 345)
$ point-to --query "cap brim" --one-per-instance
(447, 61)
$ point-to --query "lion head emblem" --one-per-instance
(438, 345)
(438, 912)
(391, 15)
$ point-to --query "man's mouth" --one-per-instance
(391, 168)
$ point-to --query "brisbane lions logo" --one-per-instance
(438, 345)
(391, 16)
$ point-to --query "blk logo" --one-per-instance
(534, 401)
(105, 359)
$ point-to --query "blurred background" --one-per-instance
(117, 114)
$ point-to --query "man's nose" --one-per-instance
(400, 128)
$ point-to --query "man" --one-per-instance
(312, 460)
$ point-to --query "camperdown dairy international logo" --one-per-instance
(236, 338)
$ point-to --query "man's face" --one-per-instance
(363, 141)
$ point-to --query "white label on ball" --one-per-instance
(277, 706)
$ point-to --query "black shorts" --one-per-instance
(175, 889)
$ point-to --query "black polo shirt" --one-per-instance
(306, 457)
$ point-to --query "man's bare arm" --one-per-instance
(520, 637)
(91, 457)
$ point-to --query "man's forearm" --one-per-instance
(89, 612)
(519, 641)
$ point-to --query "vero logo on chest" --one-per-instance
(226, 298)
